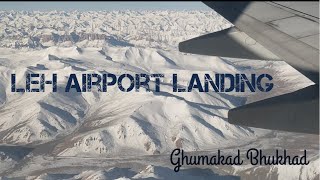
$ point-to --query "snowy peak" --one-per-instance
(163, 29)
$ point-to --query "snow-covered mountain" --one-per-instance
(98, 28)
(152, 122)
(51, 129)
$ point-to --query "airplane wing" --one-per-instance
(287, 31)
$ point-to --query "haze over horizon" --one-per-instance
(92, 6)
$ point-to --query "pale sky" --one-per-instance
(98, 5)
